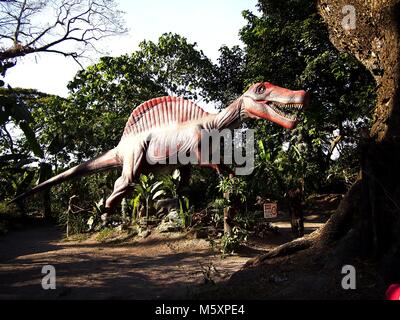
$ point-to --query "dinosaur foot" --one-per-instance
(105, 217)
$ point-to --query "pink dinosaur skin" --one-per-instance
(170, 119)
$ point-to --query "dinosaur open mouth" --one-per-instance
(288, 111)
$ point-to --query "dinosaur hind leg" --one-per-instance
(121, 188)
(124, 184)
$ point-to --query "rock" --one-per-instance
(168, 227)
(167, 205)
(122, 227)
(144, 233)
(171, 222)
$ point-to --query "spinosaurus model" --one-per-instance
(175, 121)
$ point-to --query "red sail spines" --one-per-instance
(160, 112)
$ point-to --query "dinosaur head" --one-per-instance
(266, 101)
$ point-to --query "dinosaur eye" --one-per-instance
(260, 89)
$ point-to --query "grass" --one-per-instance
(106, 234)
(77, 237)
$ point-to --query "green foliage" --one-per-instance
(235, 186)
(23, 152)
(290, 47)
(170, 186)
(171, 183)
(14, 110)
(135, 204)
(231, 242)
(227, 82)
(94, 222)
(185, 212)
(148, 191)
(75, 222)
(105, 234)
(8, 214)
(176, 65)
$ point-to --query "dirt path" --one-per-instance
(159, 266)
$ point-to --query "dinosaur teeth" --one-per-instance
(288, 111)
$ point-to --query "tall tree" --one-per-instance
(370, 31)
(228, 80)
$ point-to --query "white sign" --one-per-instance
(270, 210)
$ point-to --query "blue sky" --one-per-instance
(210, 23)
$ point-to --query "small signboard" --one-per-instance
(270, 210)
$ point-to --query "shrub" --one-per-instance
(231, 242)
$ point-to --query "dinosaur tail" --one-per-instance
(105, 161)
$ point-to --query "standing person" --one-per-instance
(294, 199)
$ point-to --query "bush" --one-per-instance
(8, 214)
(231, 242)
(75, 222)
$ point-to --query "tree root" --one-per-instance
(283, 250)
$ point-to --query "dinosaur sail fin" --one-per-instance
(160, 112)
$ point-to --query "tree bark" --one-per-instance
(46, 173)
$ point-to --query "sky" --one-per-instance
(209, 23)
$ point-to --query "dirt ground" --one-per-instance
(160, 266)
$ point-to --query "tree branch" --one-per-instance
(9, 138)
(17, 29)
(76, 21)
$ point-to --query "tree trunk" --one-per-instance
(228, 211)
(375, 199)
(227, 216)
(46, 173)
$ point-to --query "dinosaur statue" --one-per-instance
(165, 120)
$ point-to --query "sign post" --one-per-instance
(270, 210)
